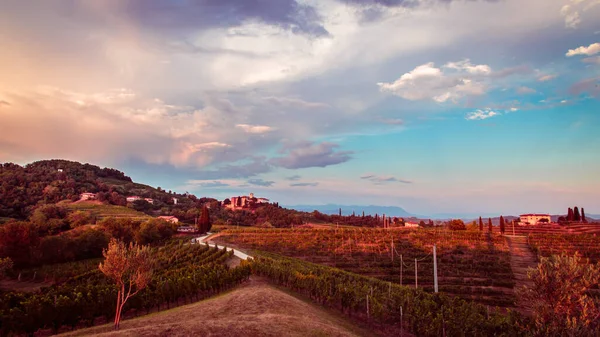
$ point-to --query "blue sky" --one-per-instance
(435, 106)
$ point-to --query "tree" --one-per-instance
(560, 299)
(502, 228)
(6, 264)
(340, 211)
(130, 268)
(204, 222)
(79, 218)
(570, 214)
(227, 202)
(457, 225)
(490, 225)
(480, 224)
(576, 216)
(583, 215)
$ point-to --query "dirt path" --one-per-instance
(521, 259)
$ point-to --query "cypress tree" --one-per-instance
(583, 215)
(570, 214)
(576, 216)
(490, 225)
(340, 212)
(363, 214)
(480, 224)
(502, 224)
(204, 222)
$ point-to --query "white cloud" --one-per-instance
(590, 50)
(297, 102)
(525, 90)
(545, 78)
(426, 82)
(254, 128)
(481, 114)
(592, 60)
(479, 69)
(571, 12)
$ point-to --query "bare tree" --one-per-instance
(130, 267)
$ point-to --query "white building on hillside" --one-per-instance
(87, 196)
(133, 198)
(532, 218)
(169, 218)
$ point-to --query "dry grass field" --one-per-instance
(253, 309)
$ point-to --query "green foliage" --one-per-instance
(560, 297)
(457, 225)
(155, 231)
(424, 314)
(6, 265)
(182, 272)
(22, 188)
(79, 218)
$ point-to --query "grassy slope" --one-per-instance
(254, 309)
(100, 210)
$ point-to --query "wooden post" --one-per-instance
(367, 305)
(435, 278)
(392, 249)
(416, 277)
(401, 332)
(401, 265)
(513, 227)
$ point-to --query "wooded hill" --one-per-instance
(22, 188)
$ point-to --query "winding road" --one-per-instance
(203, 239)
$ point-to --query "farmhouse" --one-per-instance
(186, 229)
(411, 224)
(532, 218)
(87, 196)
(246, 201)
(149, 200)
(133, 198)
(169, 218)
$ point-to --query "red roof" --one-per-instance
(533, 214)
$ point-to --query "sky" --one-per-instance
(435, 106)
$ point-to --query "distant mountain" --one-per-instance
(593, 216)
(348, 209)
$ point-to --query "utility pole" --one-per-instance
(416, 277)
(435, 278)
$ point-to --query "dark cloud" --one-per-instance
(590, 86)
(293, 178)
(380, 180)
(307, 154)
(399, 3)
(198, 14)
(304, 185)
(258, 165)
(519, 70)
(213, 184)
(261, 182)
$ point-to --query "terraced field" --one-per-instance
(472, 265)
(101, 211)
